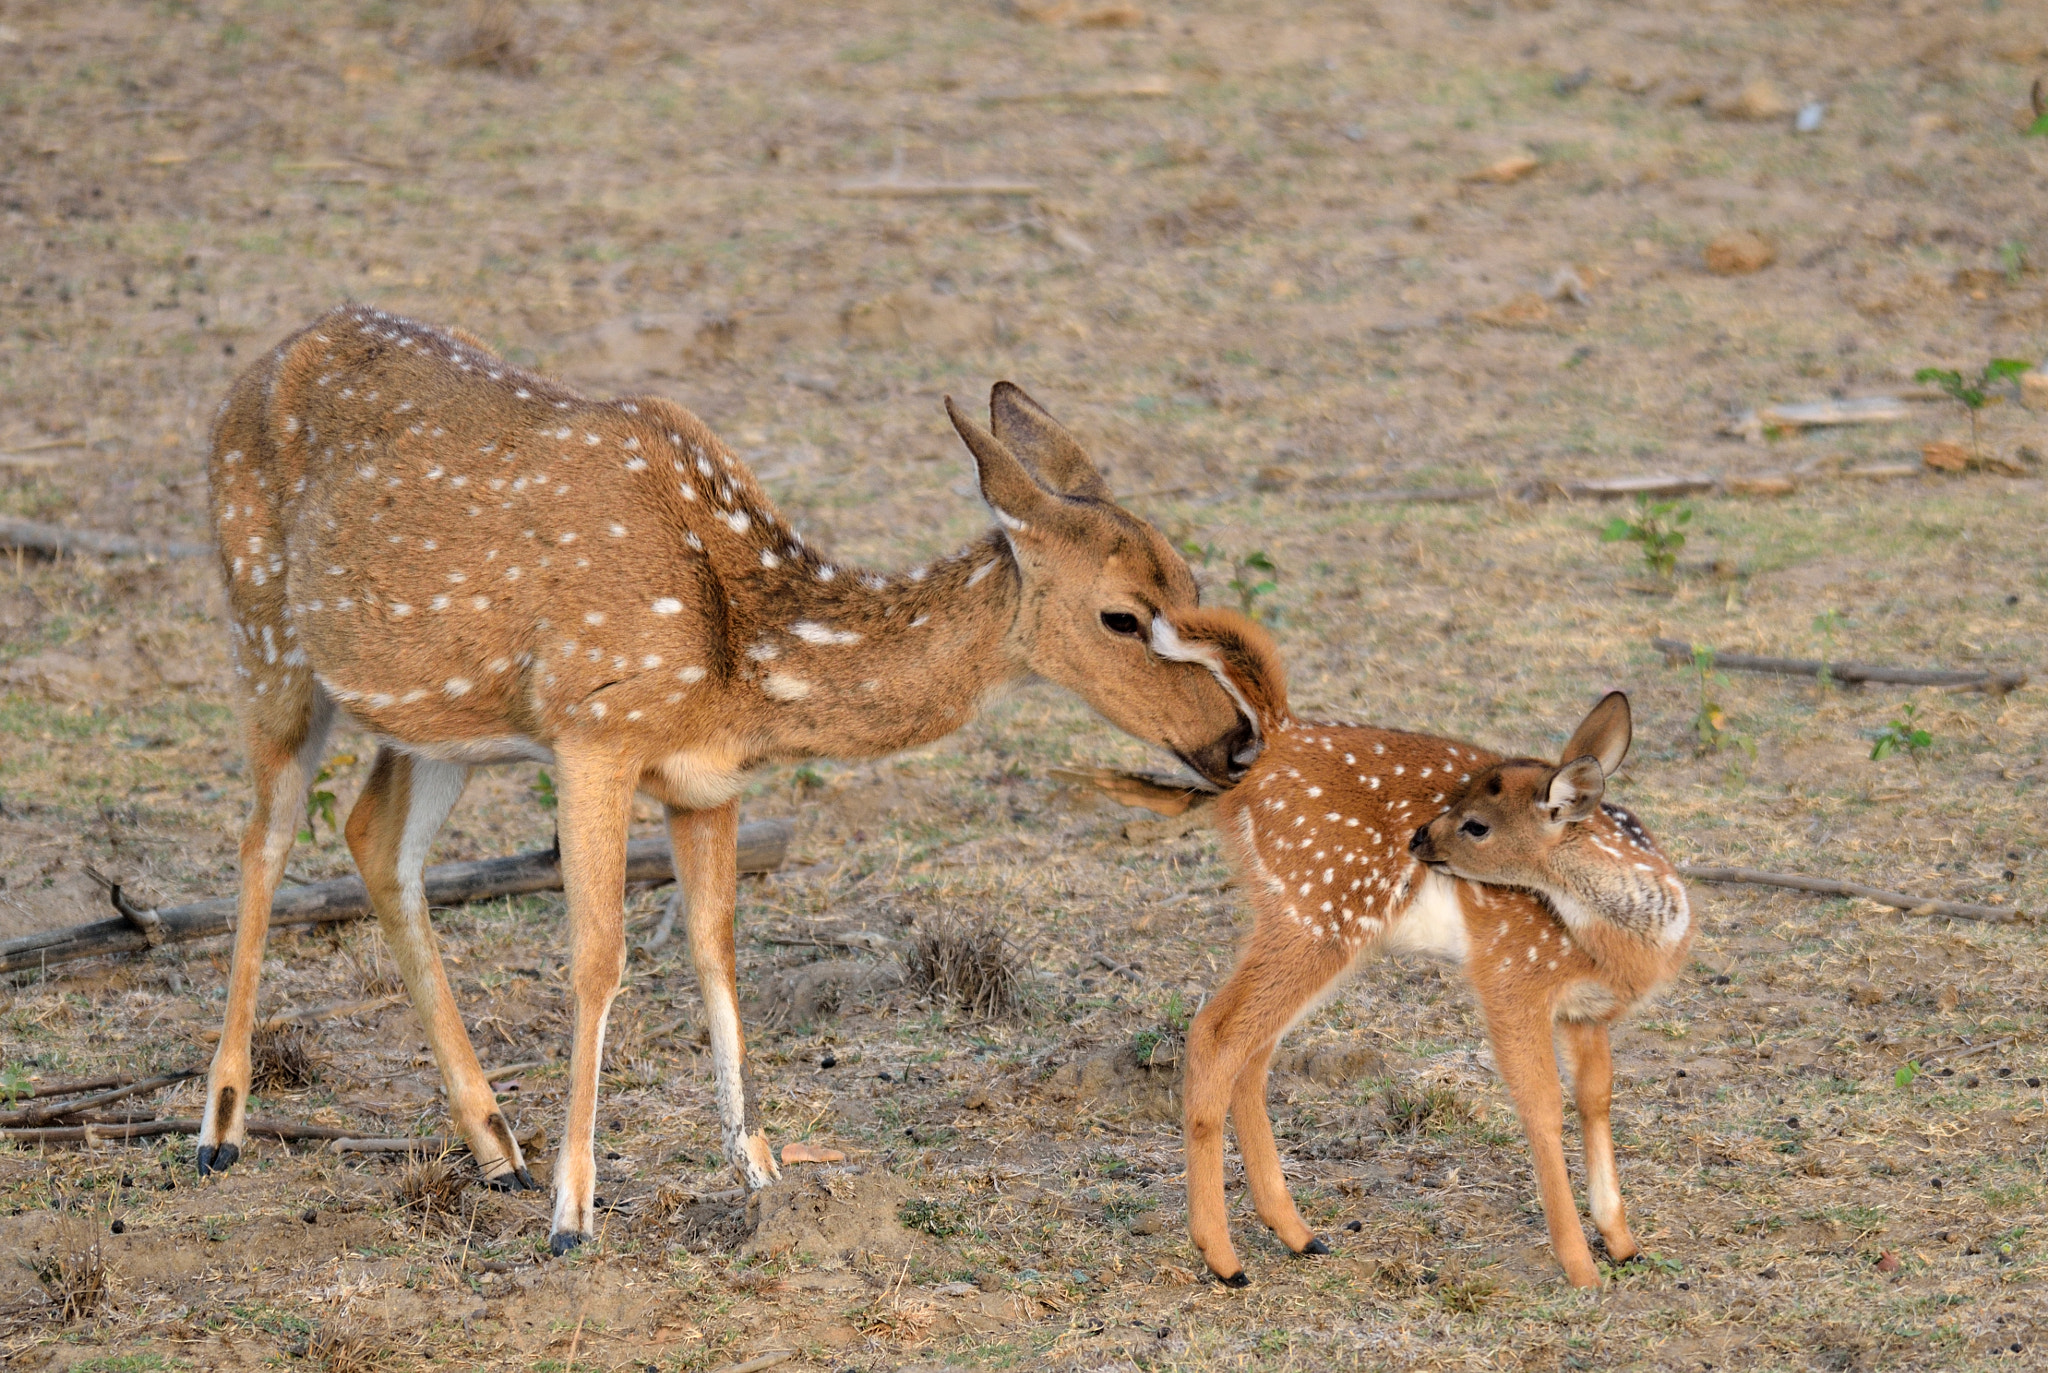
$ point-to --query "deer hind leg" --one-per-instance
(596, 801)
(285, 739)
(1523, 1052)
(1593, 1084)
(706, 848)
(393, 822)
(1229, 1046)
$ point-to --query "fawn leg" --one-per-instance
(706, 848)
(1280, 973)
(1593, 1085)
(393, 823)
(1262, 1171)
(1523, 1052)
(596, 791)
(284, 751)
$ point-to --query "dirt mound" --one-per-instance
(835, 1215)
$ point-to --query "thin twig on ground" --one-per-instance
(1828, 886)
(1997, 682)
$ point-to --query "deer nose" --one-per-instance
(1420, 845)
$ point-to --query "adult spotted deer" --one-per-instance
(1559, 906)
(482, 566)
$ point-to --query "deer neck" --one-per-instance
(1611, 876)
(857, 663)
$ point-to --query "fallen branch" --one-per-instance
(75, 1134)
(91, 1084)
(762, 847)
(1969, 1051)
(1142, 88)
(1828, 886)
(53, 540)
(1999, 683)
(930, 190)
(55, 1110)
(434, 1145)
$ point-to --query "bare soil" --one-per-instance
(1279, 258)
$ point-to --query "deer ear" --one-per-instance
(1043, 444)
(1015, 496)
(1574, 792)
(1604, 734)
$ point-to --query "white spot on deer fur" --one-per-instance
(594, 617)
(739, 521)
(811, 632)
(591, 440)
(567, 536)
(668, 605)
(430, 544)
(636, 465)
(439, 603)
(400, 610)
(921, 621)
(981, 572)
(764, 653)
(690, 675)
(652, 660)
(458, 577)
(563, 432)
(500, 664)
(597, 709)
(479, 602)
(769, 560)
(457, 686)
(827, 572)
(784, 687)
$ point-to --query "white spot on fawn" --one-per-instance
(668, 605)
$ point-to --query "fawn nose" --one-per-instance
(1421, 847)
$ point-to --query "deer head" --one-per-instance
(1526, 823)
(1095, 581)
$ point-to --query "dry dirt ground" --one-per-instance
(1279, 258)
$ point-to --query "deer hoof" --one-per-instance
(1237, 1279)
(562, 1241)
(518, 1180)
(217, 1158)
(1315, 1247)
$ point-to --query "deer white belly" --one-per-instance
(1433, 923)
(478, 753)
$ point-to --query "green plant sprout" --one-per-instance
(1903, 732)
(14, 1083)
(1825, 624)
(543, 789)
(2039, 96)
(1252, 576)
(320, 801)
(1973, 394)
(1908, 1070)
(1656, 527)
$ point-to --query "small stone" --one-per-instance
(1945, 456)
(310, 1216)
(1862, 993)
(1888, 1262)
(119, 1227)
(1740, 252)
(1147, 1224)
(1354, 1226)
(1769, 1273)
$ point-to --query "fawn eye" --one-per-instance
(1476, 829)
(1122, 622)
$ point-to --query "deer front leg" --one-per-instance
(281, 769)
(1593, 1084)
(596, 791)
(706, 848)
(394, 821)
(1523, 1052)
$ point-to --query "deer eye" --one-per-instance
(1476, 829)
(1122, 622)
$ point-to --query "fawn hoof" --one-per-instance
(518, 1180)
(1315, 1247)
(1237, 1279)
(562, 1241)
(217, 1158)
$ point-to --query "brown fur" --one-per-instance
(482, 566)
(1320, 831)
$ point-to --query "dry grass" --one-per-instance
(342, 1346)
(968, 963)
(284, 1058)
(74, 1274)
(431, 1189)
(494, 35)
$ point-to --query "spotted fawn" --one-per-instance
(481, 566)
(1559, 907)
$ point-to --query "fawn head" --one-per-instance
(1097, 581)
(1526, 823)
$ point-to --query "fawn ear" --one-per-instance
(1043, 444)
(1573, 792)
(1604, 734)
(1016, 497)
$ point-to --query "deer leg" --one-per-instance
(1262, 1171)
(394, 821)
(596, 793)
(1593, 1084)
(1523, 1052)
(281, 763)
(706, 848)
(1279, 975)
